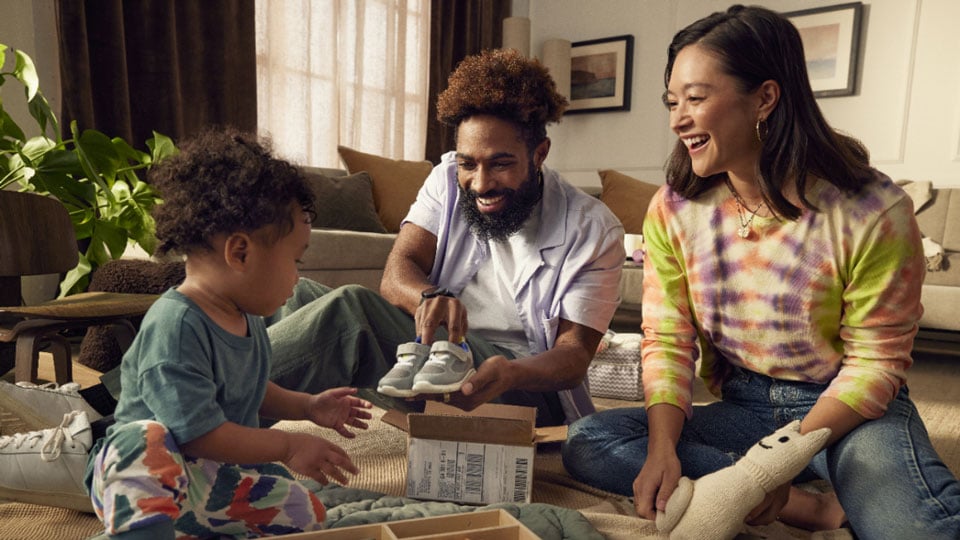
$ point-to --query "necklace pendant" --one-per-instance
(743, 232)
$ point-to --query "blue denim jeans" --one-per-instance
(889, 479)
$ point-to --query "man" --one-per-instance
(496, 250)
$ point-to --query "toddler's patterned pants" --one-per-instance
(140, 480)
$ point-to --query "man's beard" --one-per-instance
(501, 225)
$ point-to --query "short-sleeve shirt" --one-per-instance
(186, 372)
(573, 274)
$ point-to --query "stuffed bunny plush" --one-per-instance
(714, 506)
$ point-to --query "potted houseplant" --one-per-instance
(95, 176)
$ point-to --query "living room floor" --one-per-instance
(934, 385)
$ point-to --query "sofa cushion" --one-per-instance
(395, 182)
(344, 202)
(627, 197)
(939, 219)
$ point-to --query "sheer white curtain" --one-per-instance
(350, 72)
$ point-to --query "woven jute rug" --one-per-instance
(380, 453)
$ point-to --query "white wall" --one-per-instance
(906, 111)
(30, 26)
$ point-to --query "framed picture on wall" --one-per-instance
(600, 73)
(831, 43)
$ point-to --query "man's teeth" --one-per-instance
(695, 141)
(487, 201)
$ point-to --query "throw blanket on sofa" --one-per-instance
(921, 193)
(347, 507)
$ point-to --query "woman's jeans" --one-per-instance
(889, 479)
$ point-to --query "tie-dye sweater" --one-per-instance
(833, 297)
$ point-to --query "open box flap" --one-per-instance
(525, 415)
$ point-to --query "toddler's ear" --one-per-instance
(236, 249)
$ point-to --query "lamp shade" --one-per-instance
(556, 58)
(516, 34)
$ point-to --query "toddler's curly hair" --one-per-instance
(505, 84)
(225, 181)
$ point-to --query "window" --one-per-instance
(350, 72)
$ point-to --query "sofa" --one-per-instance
(346, 249)
(337, 256)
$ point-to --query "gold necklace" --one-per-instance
(744, 230)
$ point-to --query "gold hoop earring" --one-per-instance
(761, 130)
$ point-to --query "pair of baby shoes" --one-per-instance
(425, 369)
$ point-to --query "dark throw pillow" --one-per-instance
(345, 202)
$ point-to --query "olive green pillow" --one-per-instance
(344, 202)
(627, 197)
(395, 182)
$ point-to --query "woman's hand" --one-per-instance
(338, 409)
(769, 508)
(658, 478)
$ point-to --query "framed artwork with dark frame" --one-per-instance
(831, 43)
(600, 74)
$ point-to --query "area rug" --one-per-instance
(380, 453)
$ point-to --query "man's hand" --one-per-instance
(319, 459)
(338, 409)
(445, 311)
(491, 379)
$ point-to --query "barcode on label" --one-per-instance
(474, 480)
(520, 479)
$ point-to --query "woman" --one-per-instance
(793, 270)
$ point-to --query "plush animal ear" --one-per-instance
(676, 506)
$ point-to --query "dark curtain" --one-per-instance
(131, 67)
(457, 29)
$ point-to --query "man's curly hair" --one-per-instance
(505, 84)
(221, 182)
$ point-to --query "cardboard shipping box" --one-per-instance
(481, 457)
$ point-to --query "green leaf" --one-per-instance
(3, 58)
(95, 144)
(35, 148)
(9, 128)
(107, 242)
(41, 112)
(26, 73)
(161, 146)
(83, 220)
(76, 280)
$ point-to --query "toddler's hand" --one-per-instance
(338, 409)
(319, 459)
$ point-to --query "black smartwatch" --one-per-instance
(434, 292)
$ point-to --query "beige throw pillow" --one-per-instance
(395, 182)
(627, 197)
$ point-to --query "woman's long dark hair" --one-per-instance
(753, 45)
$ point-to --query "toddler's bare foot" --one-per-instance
(813, 511)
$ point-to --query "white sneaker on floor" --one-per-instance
(47, 467)
(42, 406)
(448, 367)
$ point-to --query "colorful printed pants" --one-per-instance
(140, 480)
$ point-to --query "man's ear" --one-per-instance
(541, 151)
(236, 249)
(769, 94)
